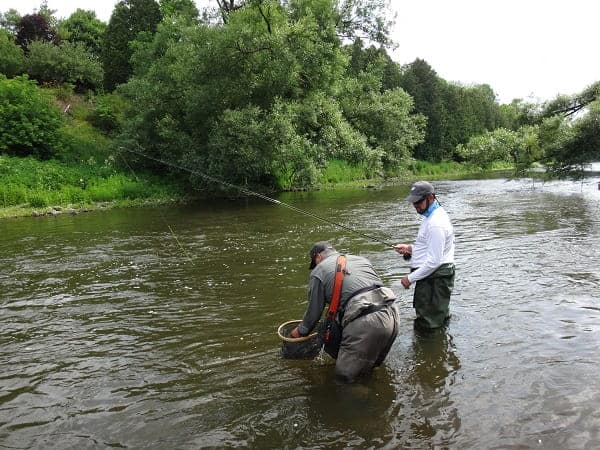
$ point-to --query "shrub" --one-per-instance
(11, 55)
(107, 113)
(67, 63)
(29, 120)
(37, 200)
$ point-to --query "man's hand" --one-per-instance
(405, 282)
(295, 333)
(403, 249)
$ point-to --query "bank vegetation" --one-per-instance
(167, 103)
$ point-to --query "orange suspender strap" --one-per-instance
(340, 271)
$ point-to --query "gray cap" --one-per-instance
(419, 191)
(316, 249)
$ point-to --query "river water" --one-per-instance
(156, 328)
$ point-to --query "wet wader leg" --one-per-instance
(365, 343)
(432, 300)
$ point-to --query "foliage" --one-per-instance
(454, 113)
(83, 27)
(35, 27)
(129, 18)
(567, 135)
(366, 19)
(29, 121)
(29, 182)
(11, 55)
(269, 84)
(108, 113)
(9, 20)
(519, 113)
(528, 152)
(386, 119)
(571, 105)
(485, 149)
(81, 143)
(179, 8)
(570, 147)
(338, 171)
(429, 170)
(67, 63)
(375, 61)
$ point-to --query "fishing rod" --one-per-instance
(257, 194)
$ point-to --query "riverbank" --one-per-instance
(49, 188)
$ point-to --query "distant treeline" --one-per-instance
(264, 93)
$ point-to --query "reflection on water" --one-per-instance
(117, 332)
(433, 375)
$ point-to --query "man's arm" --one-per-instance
(316, 303)
(435, 253)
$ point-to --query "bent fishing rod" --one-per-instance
(249, 192)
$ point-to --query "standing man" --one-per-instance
(432, 258)
(366, 318)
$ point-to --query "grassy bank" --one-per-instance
(32, 187)
(340, 174)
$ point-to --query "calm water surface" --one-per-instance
(153, 328)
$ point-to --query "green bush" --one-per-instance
(29, 121)
(82, 144)
(11, 55)
(67, 63)
(107, 113)
(12, 194)
(37, 200)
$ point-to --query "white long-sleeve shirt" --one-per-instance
(433, 246)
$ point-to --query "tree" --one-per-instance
(10, 20)
(366, 19)
(571, 136)
(66, 63)
(129, 18)
(422, 83)
(83, 26)
(34, 27)
(29, 120)
(11, 55)
(493, 146)
(571, 105)
(181, 8)
(262, 99)
(369, 20)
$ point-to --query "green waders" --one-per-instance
(432, 297)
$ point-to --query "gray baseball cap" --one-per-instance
(316, 249)
(419, 190)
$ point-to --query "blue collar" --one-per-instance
(435, 205)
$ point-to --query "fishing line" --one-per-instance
(183, 249)
(258, 195)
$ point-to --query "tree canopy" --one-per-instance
(272, 92)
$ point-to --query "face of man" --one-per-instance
(422, 205)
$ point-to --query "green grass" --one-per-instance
(341, 172)
(425, 169)
(29, 184)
